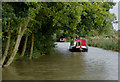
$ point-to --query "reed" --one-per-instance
(102, 42)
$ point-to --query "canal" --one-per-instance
(96, 64)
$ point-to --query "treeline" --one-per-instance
(29, 29)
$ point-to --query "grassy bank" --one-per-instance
(103, 42)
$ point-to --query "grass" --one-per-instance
(102, 42)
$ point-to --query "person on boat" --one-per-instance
(77, 37)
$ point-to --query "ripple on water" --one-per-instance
(96, 64)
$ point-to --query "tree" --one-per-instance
(30, 26)
(20, 15)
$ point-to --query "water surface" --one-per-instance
(96, 64)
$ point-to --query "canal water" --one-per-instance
(96, 64)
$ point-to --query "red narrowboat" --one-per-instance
(62, 39)
(78, 45)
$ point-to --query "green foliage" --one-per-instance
(48, 21)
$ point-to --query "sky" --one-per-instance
(115, 10)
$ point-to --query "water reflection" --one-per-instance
(96, 64)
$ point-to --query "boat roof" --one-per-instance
(79, 40)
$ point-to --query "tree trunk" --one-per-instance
(6, 49)
(24, 47)
(15, 49)
(31, 50)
